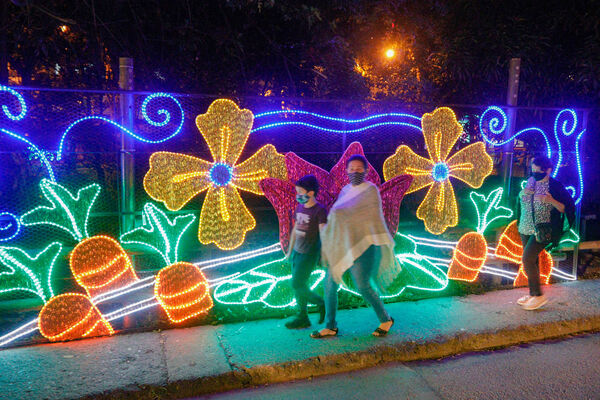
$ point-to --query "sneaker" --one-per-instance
(300, 322)
(535, 302)
(523, 300)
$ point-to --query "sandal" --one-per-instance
(319, 335)
(380, 332)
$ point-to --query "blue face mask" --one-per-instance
(302, 198)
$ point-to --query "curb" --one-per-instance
(438, 347)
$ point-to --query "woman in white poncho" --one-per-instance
(356, 238)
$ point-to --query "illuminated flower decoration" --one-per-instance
(471, 165)
(175, 179)
(282, 194)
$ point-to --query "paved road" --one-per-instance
(561, 370)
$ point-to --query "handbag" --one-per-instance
(543, 231)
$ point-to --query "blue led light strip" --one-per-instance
(20, 99)
(35, 149)
(565, 132)
(163, 112)
(579, 168)
(326, 117)
(15, 222)
(565, 122)
(364, 128)
(497, 128)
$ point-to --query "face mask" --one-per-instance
(302, 198)
(356, 178)
(538, 176)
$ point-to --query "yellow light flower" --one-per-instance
(175, 179)
(471, 165)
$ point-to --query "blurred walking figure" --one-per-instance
(543, 205)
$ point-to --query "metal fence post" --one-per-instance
(511, 101)
(126, 160)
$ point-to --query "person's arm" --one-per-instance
(549, 199)
(322, 219)
(288, 254)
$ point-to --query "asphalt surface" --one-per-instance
(552, 370)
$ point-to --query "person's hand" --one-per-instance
(527, 190)
(544, 198)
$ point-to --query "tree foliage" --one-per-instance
(446, 51)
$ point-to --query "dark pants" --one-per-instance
(531, 251)
(302, 266)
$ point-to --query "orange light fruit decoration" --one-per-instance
(99, 264)
(510, 248)
(469, 255)
(546, 264)
(471, 250)
(72, 316)
(182, 291)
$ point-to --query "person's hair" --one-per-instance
(309, 183)
(543, 162)
(358, 157)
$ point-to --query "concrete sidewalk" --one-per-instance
(186, 362)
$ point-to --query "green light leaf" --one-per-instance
(569, 238)
(159, 233)
(30, 274)
(488, 208)
(417, 272)
(268, 284)
(66, 212)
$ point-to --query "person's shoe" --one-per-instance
(321, 313)
(300, 322)
(523, 300)
(324, 333)
(535, 302)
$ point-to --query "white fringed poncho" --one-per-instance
(356, 222)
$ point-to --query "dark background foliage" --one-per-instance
(447, 51)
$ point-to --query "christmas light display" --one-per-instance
(11, 228)
(72, 316)
(159, 233)
(469, 256)
(20, 101)
(26, 273)
(510, 248)
(471, 165)
(282, 194)
(99, 264)
(182, 291)
(166, 115)
(67, 212)
(175, 179)
(495, 122)
(471, 250)
(269, 284)
(40, 154)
